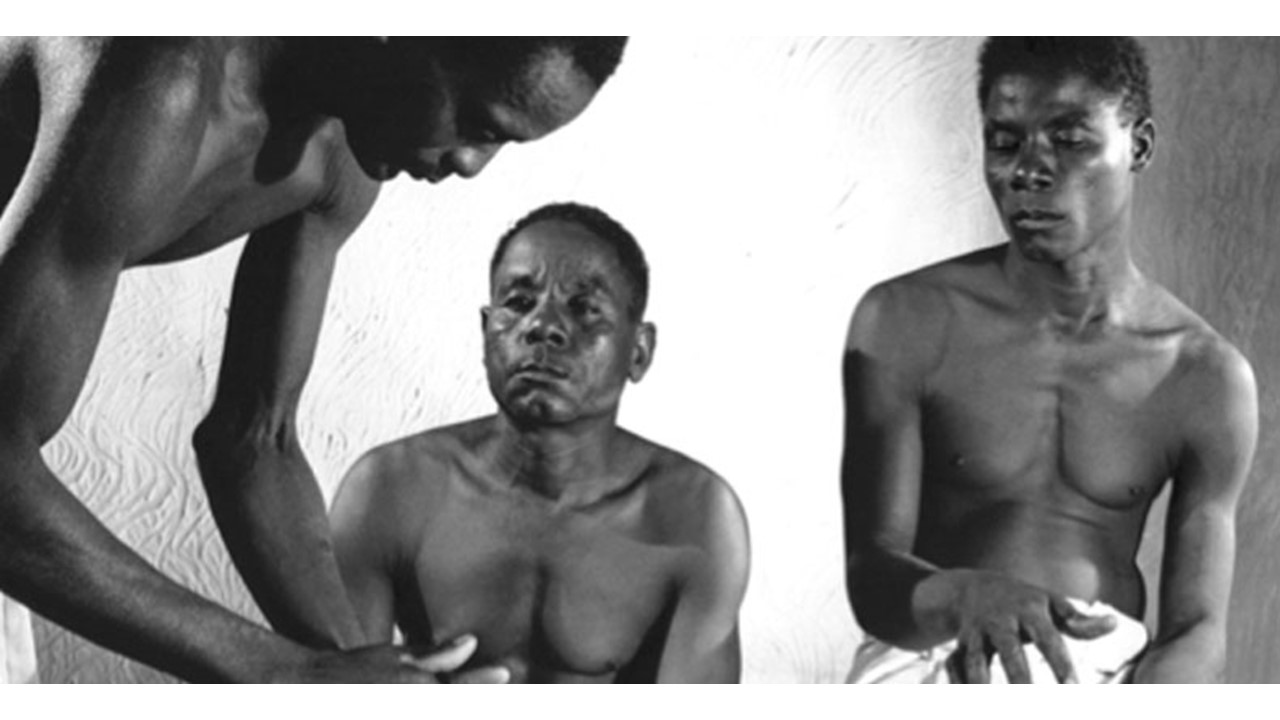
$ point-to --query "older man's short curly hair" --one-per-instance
(630, 256)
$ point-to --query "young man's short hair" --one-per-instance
(1115, 64)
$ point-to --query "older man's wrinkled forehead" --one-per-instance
(564, 253)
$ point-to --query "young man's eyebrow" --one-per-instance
(1071, 118)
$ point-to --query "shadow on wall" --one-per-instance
(1207, 216)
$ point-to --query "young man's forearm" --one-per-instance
(893, 602)
(1196, 655)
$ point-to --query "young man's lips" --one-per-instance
(542, 370)
(1034, 219)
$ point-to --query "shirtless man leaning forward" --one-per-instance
(574, 550)
(1013, 412)
(124, 152)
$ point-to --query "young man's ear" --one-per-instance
(1144, 143)
(642, 351)
(484, 317)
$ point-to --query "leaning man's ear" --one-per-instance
(642, 350)
(484, 317)
(1144, 143)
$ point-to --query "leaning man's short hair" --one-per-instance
(1117, 65)
(630, 256)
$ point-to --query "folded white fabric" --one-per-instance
(1107, 659)
(17, 645)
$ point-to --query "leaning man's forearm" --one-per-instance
(272, 517)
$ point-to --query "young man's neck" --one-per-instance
(571, 465)
(1091, 289)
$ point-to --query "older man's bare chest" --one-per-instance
(555, 596)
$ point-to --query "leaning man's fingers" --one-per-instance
(496, 674)
(444, 658)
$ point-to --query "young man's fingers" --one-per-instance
(1077, 624)
(975, 659)
(1012, 658)
(1050, 644)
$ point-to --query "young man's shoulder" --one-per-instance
(1215, 373)
(927, 290)
(925, 302)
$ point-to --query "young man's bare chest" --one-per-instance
(552, 594)
(1024, 413)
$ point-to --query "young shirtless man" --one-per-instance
(1012, 414)
(124, 152)
(574, 550)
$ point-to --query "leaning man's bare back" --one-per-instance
(205, 164)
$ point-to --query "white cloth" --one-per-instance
(1103, 660)
(17, 645)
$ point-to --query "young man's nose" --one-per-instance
(467, 161)
(1031, 170)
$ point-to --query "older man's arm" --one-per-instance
(702, 645)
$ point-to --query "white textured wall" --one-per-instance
(770, 181)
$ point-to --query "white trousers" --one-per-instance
(1107, 659)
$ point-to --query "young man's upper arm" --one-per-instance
(1200, 526)
(891, 345)
(702, 644)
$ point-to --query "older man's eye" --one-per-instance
(584, 307)
(518, 303)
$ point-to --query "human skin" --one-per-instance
(119, 153)
(1003, 455)
(575, 551)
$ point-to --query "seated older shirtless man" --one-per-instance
(1012, 414)
(573, 550)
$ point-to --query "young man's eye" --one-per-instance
(1069, 138)
(1000, 141)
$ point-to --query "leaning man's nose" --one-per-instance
(469, 161)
